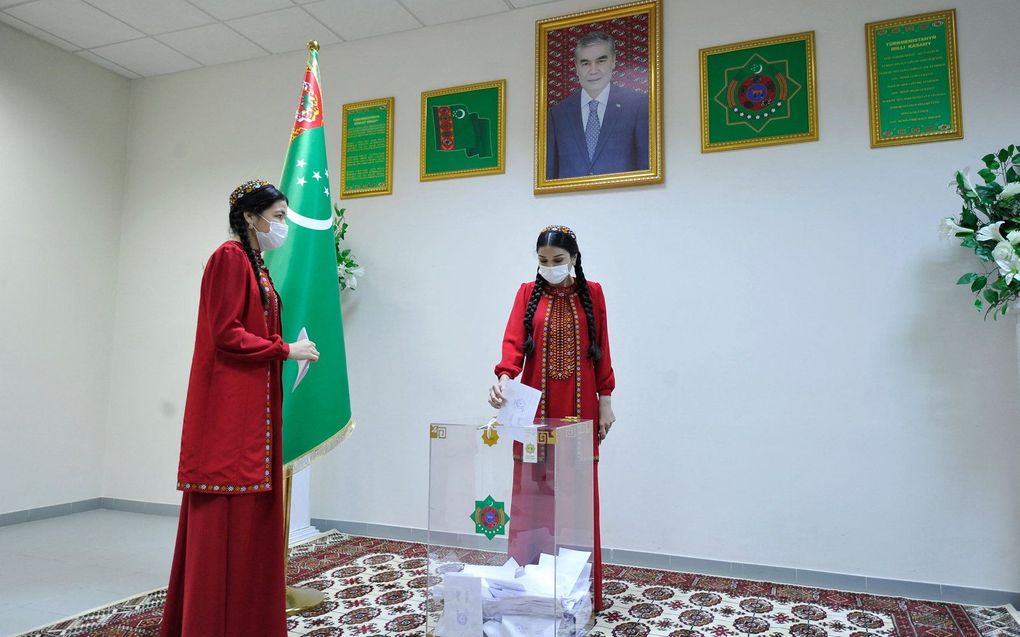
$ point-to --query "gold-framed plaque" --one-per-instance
(366, 149)
(598, 99)
(914, 79)
(463, 131)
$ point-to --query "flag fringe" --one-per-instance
(307, 458)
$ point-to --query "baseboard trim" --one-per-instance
(737, 570)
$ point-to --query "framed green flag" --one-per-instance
(462, 131)
(758, 93)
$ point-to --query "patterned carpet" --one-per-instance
(377, 587)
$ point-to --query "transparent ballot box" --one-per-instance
(510, 529)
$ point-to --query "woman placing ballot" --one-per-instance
(558, 341)
(227, 577)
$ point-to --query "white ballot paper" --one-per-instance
(302, 366)
(548, 599)
(462, 610)
(521, 405)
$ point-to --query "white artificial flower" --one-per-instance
(1009, 268)
(967, 186)
(354, 274)
(991, 232)
(1010, 191)
(1003, 251)
(1013, 237)
(948, 228)
(350, 276)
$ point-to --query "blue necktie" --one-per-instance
(591, 129)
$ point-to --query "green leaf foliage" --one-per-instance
(966, 278)
(978, 283)
(991, 295)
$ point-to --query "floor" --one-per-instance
(55, 568)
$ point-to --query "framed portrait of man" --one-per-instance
(598, 101)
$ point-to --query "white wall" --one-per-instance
(62, 141)
(800, 382)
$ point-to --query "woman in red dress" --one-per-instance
(227, 577)
(557, 341)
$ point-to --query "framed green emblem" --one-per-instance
(914, 80)
(462, 131)
(758, 93)
(490, 517)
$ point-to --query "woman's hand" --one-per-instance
(606, 416)
(303, 350)
(496, 398)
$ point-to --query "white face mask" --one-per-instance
(555, 273)
(274, 238)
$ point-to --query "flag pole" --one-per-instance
(299, 600)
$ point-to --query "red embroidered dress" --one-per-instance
(227, 578)
(571, 384)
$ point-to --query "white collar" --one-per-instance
(603, 97)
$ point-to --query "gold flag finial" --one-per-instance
(313, 45)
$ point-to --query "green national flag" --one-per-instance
(317, 413)
(456, 128)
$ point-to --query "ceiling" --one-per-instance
(141, 38)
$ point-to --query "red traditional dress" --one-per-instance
(227, 578)
(571, 385)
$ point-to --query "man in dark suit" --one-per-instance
(602, 128)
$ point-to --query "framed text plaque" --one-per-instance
(366, 157)
(914, 79)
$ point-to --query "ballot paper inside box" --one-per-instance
(510, 529)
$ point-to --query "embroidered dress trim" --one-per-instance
(561, 358)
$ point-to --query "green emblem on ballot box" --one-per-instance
(490, 517)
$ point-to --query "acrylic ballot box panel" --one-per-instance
(510, 529)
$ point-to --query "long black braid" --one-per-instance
(529, 314)
(253, 201)
(584, 293)
(562, 237)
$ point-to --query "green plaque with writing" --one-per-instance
(366, 163)
(914, 84)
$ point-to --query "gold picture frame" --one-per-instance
(923, 37)
(744, 83)
(354, 190)
(471, 145)
(618, 154)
